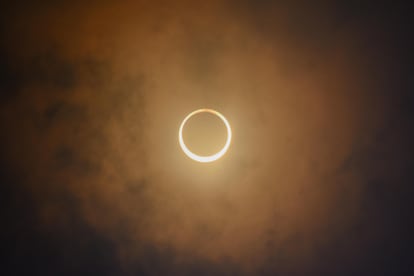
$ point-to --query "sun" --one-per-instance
(205, 158)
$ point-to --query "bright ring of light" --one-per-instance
(207, 158)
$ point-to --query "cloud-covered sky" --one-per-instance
(318, 179)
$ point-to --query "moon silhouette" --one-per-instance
(205, 158)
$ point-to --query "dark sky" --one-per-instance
(318, 179)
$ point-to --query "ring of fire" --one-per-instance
(206, 158)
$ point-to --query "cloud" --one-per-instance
(92, 96)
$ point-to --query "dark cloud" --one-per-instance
(43, 69)
(69, 247)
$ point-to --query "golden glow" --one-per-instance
(207, 158)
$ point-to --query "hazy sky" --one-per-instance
(317, 181)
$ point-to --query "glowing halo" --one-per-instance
(206, 158)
